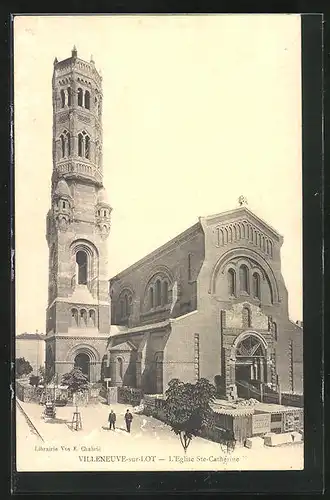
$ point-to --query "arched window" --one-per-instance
(83, 317)
(80, 144)
(64, 204)
(151, 297)
(68, 143)
(126, 305)
(244, 279)
(81, 259)
(92, 317)
(62, 98)
(80, 97)
(74, 317)
(96, 104)
(87, 99)
(256, 285)
(246, 317)
(275, 331)
(62, 146)
(231, 282)
(158, 293)
(165, 293)
(121, 309)
(87, 146)
(120, 367)
(69, 96)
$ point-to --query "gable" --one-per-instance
(126, 346)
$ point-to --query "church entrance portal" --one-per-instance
(82, 361)
(250, 366)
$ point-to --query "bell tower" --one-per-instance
(78, 224)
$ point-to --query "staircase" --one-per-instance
(252, 389)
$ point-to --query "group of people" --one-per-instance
(128, 420)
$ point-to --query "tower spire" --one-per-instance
(74, 51)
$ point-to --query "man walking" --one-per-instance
(112, 419)
(128, 420)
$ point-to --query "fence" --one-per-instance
(129, 395)
(30, 394)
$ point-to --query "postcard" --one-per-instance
(158, 243)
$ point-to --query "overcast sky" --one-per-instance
(197, 111)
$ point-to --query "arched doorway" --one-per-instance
(250, 364)
(82, 361)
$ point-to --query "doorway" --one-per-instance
(82, 361)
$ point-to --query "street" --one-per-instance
(151, 445)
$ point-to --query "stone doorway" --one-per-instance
(249, 365)
(82, 361)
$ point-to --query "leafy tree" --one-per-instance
(42, 372)
(187, 408)
(23, 367)
(76, 381)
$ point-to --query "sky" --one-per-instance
(197, 110)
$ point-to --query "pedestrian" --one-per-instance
(128, 420)
(112, 420)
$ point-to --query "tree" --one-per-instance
(187, 408)
(76, 381)
(23, 367)
(42, 372)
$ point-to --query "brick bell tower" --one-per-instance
(78, 225)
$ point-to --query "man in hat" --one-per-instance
(112, 420)
(128, 420)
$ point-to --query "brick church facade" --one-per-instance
(210, 303)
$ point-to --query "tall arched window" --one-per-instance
(80, 97)
(120, 367)
(96, 104)
(87, 99)
(275, 331)
(68, 143)
(62, 98)
(62, 146)
(69, 96)
(151, 297)
(165, 293)
(87, 146)
(80, 144)
(126, 305)
(244, 279)
(158, 293)
(246, 317)
(231, 282)
(81, 259)
(256, 285)
(83, 317)
(74, 317)
(122, 307)
(92, 317)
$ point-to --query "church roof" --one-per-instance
(210, 219)
(62, 189)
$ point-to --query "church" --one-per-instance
(210, 303)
